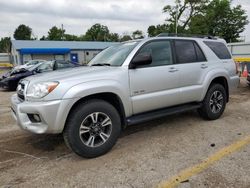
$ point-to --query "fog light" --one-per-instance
(34, 118)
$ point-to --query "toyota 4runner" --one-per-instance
(128, 83)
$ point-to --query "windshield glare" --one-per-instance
(114, 55)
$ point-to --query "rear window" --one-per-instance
(219, 49)
(188, 51)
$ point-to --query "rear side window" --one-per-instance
(199, 53)
(188, 51)
(219, 49)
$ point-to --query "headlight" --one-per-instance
(40, 90)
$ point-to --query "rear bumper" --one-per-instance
(248, 78)
(234, 83)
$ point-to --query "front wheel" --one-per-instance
(214, 102)
(92, 128)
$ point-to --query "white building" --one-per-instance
(75, 51)
(4, 58)
(240, 50)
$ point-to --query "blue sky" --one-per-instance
(77, 16)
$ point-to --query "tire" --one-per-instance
(92, 128)
(214, 102)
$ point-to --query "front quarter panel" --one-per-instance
(102, 86)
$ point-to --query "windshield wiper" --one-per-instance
(101, 64)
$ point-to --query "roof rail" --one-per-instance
(186, 35)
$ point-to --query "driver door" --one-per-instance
(156, 85)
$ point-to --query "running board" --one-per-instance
(147, 116)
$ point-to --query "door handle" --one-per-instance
(204, 66)
(172, 69)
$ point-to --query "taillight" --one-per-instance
(236, 67)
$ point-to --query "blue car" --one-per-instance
(10, 79)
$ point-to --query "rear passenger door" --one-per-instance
(193, 67)
(155, 86)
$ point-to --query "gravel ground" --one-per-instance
(144, 156)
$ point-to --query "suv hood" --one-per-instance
(75, 75)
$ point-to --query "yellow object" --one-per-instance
(6, 65)
(242, 59)
(189, 172)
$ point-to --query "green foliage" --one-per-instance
(156, 30)
(43, 38)
(69, 37)
(137, 34)
(23, 32)
(186, 10)
(5, 45)
(97, 32)
(125, 38)
(205, 17)
(56, 33)
(113, 37)
(220, 19)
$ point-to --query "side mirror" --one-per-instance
(140, 59)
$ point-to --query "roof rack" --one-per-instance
(186, 35)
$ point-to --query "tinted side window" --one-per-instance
(160, 51)
(219, 49)
(185, 51)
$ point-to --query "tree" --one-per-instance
(137, 34)
(23, 32)
(220, 19)
(43, 38)
(186, 10)
(125, 38)
(5, 45)
(69, 37)
(97, 32)
(156, 30)
(56, 33)
(113, 37)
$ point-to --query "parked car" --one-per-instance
(29, 64)
(126, 84)
(11, 79)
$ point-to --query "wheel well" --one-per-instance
(111, 98)
(222, 81)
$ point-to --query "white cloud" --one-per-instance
(79, 15)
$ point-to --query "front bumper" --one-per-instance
(4, 83)
(53, 114)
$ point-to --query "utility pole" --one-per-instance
(176, 17)
(62, 37)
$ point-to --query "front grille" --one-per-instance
(20, 96)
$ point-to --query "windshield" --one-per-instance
(114, 55)
(47, 66)
(41, 66)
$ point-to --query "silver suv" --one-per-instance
(126, 84)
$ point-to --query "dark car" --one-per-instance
(10, 80)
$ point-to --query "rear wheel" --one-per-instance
(214, 102)
(92, 128)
